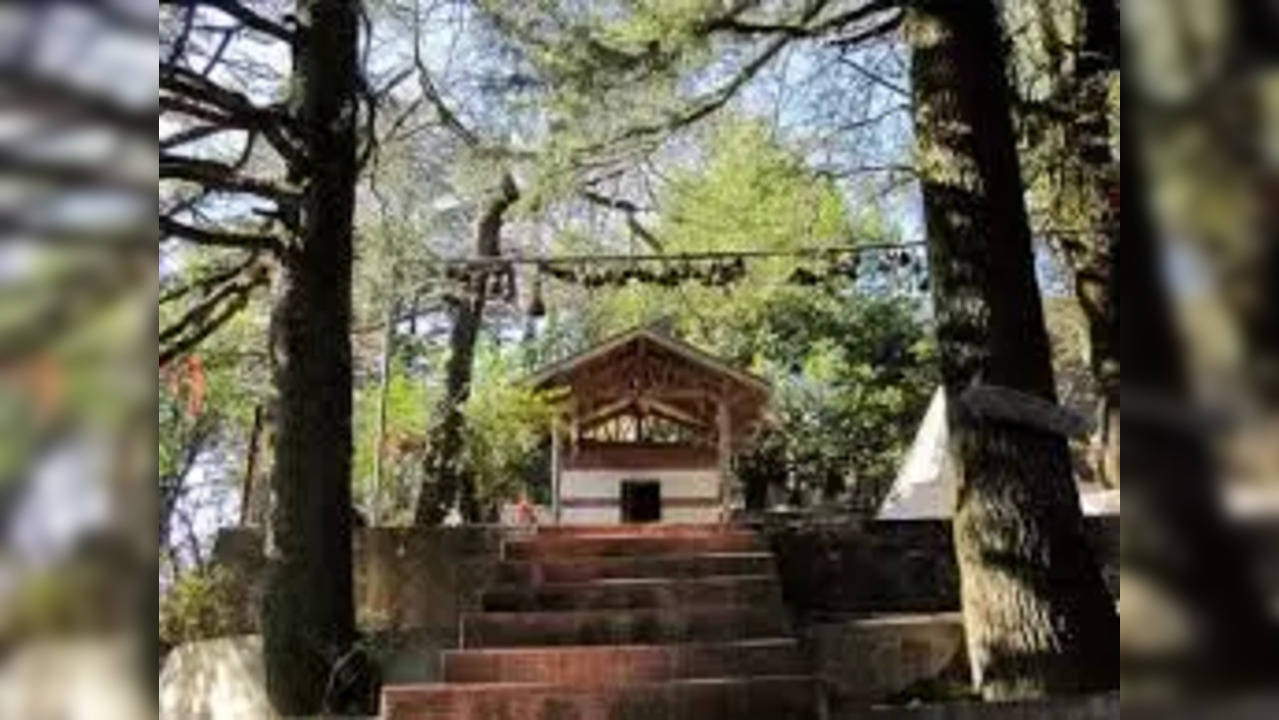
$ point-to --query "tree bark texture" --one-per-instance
(1068, 53)
(1198, 621)
(384, 389)
(250, 489)
(1092, 261)
(1037, 614)
(308, 613)
(445, 482)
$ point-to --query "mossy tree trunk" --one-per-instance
(308, 614)
(1038, 617)
(445, 482)
(1067, 54)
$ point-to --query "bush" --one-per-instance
(202, 604)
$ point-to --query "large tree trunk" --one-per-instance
(1037, 613)
(1093, 263)
(1194, 620)
(308, 615)
(444, 481)
(1068, 53)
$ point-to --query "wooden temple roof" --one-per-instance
(644, 372)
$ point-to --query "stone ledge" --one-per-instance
(864, 660)
(1090, 707)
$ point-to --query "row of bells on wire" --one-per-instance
(501, 282)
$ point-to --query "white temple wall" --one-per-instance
(594, 496)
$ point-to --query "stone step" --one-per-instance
(613, 665)
(636, 529)
(775, 698)
(621, 627)
(526, 572)
(629, 594)
(622, 545)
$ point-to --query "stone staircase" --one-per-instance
(655, 622)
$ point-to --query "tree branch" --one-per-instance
(247, 17)
(195, 95)
(45, 93)
(874, 77)
(874, 31)
(732, 22)
(87, 290)
(69, 173)
(205, 307)
(118, 15)
(207, 283)
(192, 134)
(203, 319)
(631, 210)
(432, 94)
(170, 228)
(216, 176)
(712, 102)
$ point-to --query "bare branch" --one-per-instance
(45, 93)
(883, 28)
(118, 15)
(190, 93)
(610, 202)
(170, 228)
(430, 92)
(250, 19)
(205, 308)
(733, 23)
(193, 134)
(874, 77)
(631, 210)
(68, 173)
(207, 283)
(186, 344)
(222, 177)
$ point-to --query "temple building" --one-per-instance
(646, 430)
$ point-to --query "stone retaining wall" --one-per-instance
(839, 567)
(1089, 707)
(900, 658)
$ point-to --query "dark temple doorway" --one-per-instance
(641, 501)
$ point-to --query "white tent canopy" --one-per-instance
(924, 489)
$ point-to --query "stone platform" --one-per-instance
(653, 622)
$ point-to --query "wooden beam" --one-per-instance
(555, 469)
(724, 429)
(602, 414)
(672, 413)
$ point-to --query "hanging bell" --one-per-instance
(537, 306)
(511, 288)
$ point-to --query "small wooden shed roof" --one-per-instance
(648, 372)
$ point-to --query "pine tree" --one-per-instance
(308, 614)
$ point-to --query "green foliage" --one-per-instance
(752, 194)
(207, 399)
(505, 431)
(409, 402)
(504, 435)
(852, 370)
(851, 378)
(202, 604)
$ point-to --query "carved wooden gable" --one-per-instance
(643, 386)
